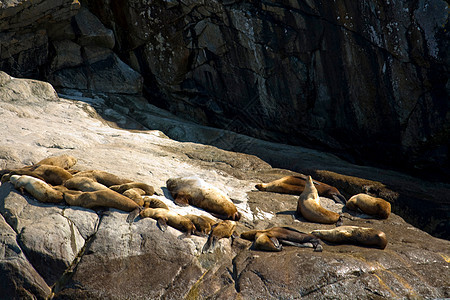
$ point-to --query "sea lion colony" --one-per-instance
(52, 180)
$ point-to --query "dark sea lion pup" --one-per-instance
(296, 184)
(353, 235)
(195, 191)
(309, 206)
(272, 239)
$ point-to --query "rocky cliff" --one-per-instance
(367, 80)
(54, 250)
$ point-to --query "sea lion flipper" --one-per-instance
(276, 243)
(186, 234)
(162, 224)
(338, 198)
(133, 214)
(182, 199)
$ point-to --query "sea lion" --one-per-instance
(353, 235)
(63, 161)
(38, 188)
(53, 175)
(203, 224)
(296, 184)
(84, 184)
(222, 229)
(135, 194)
(195, 191)
(165, 217)
(154, 203)
(102, 198)
(103, 177)
(148, 189)
(272, 239)
(370, 205)
(308, 206)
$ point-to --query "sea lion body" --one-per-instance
(295, 185)
(53, 175)
(172, 219)
(148, 189)
(308, 206)
(272, 239)
(370, 205)
(135, 194)
(152, 202)
(222, 229)
(353, 235)
(102, 198)
(84, 184)
(103, 177)
(203, 224)
(39, 189)
(195, 191)
(63, 161)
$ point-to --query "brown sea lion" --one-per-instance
(53, 175)
(223, 229)
(135, 194)
(102, 198)
(203, 224)
(296, 184)
(148, 189)
(39, 189)
(103, 177)
(84, 184)
(165, 217)
(370, 205)
(153, 202)
(353, 235)
(272, 239)
(63, 161)
(195, 191)
(308, 206)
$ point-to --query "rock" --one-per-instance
(301, 73)
(91, 30)
(120, 259)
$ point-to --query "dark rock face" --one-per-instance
(365, 79)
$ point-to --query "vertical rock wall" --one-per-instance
(367, 80)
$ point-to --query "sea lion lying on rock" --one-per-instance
(370, 205)
(165, 217)
(195, 191)
(353, 235)
(103, 177)
(273, 238)
(295, 185)
(223, 229)
(39, 189)
(308, 206)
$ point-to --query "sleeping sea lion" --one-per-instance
(223, 229)
(84, 184)
(272, 239)
(39, 189)
(148, 189)
(296, 184)
(63, 161)
(102, 198)
(53, 175)
(308, 206)
(135, 194)
(165, 217)
(195, 191)
(353, 235)
(153, 202)
(370, 205)
(103, 177)
(203, 224)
